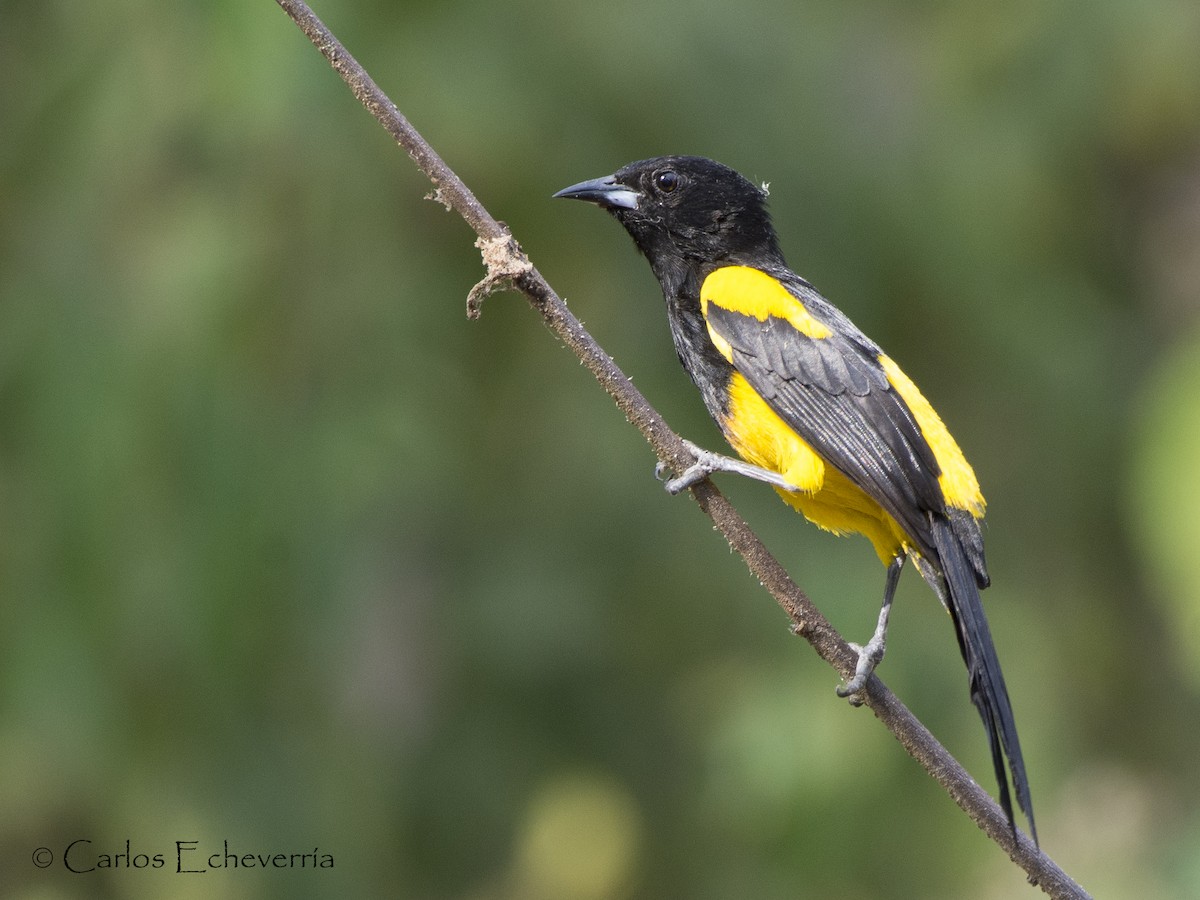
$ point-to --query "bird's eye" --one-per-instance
(666, 180)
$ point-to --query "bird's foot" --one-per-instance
(872, 654)
(869, 657)
(706, 463)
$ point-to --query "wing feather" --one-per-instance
(835, 394)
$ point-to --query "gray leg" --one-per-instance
(871, 655)
(708, 462)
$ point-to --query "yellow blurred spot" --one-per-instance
(579, 841)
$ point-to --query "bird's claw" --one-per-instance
(869, 657)
(701, 468)
(692, 475)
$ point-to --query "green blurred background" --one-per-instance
(294, 556)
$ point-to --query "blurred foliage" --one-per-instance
(293, 556)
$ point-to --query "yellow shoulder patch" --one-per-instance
(753, 292)
(960, 487)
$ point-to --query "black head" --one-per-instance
(686, 209)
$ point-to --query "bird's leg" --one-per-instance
(708, 462)
(872, 654)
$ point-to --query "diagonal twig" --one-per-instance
(508, 267)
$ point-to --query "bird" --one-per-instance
(815, 408)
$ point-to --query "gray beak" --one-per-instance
(604, 192)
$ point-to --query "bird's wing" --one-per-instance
(826, 380)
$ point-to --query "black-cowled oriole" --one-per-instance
(814, 407)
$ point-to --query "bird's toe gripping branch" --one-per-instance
(871, 655)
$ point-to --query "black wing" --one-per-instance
(834, 393)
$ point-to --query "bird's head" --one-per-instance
(687, 209)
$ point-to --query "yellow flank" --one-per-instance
(824, 495)
(959, 484)
(760, 437)
(752, 292)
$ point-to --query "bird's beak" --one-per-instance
(605, 192)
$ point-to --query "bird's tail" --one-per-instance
(988, 692)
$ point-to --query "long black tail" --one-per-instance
(988, 692)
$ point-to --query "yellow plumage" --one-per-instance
(824, 495)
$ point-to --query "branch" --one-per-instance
(508, 267)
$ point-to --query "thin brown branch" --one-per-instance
(507, 266)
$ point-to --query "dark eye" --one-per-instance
(666, 180)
